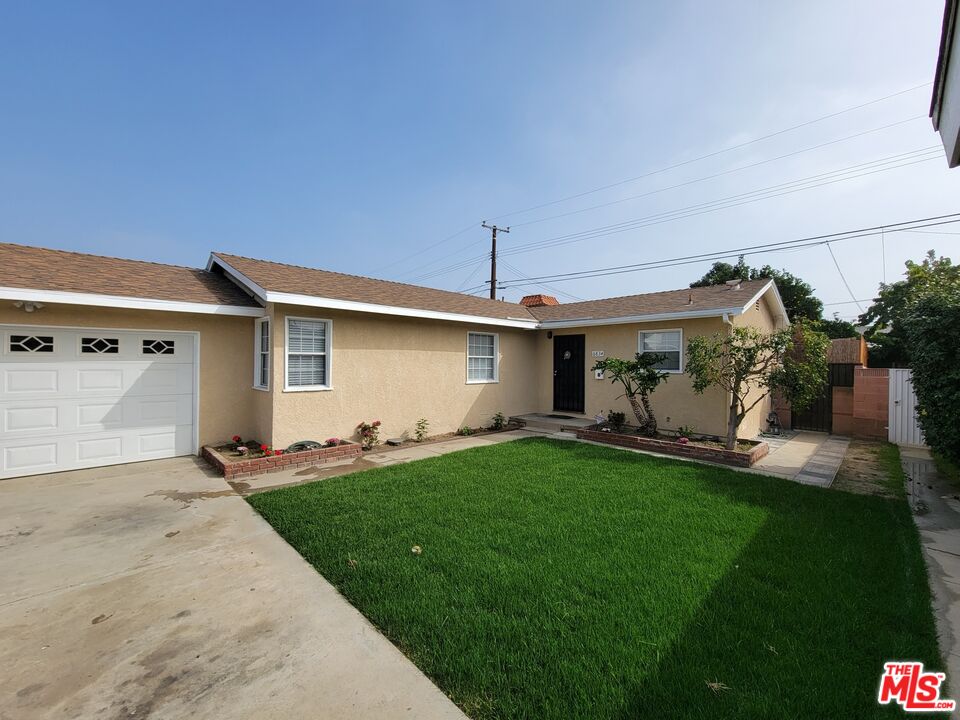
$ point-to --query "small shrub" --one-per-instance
(369, 434)
(616, 420)
(686, 431)
(332, 442)
(499, 421)
(466, 430)
(420, 434)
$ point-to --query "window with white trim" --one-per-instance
(308, 354)
(261, 358)
(482, 354)
(668, 343)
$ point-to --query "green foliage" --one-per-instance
(369, 434)
(639, 379)
(749, 364)
(686, 431)
(466, 430)
(499, 421)
(932, 333)
(420, 430)
(836, 328)
(616, 420)
(888, 316)
(797, 295)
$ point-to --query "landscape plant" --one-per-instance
(465, 430)
(616, 420)
(369, 434)
(499, 421)
(639, 378)
(420, 431)
(749, 364)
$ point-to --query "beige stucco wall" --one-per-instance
(226, 356)
(397, 370)
(674, 402)
(762, 315)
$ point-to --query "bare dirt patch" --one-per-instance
(863, 471)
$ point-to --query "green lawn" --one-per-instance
(560, 580)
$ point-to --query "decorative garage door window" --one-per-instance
(99, 345)
(668, 343)
(31, 343)
(158, 347)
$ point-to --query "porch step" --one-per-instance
(543, 421)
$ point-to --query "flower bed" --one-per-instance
(235, 467)
(691, 449)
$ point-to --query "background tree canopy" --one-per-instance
(797, 295)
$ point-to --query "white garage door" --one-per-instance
(75, 398)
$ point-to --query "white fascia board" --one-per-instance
(771, 285)
(238, 277)
(119, 301)
(354, 306)
(658, 317)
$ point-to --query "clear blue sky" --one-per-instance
(349, 136)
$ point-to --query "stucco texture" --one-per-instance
(226, 356)
(674, 402)
(397, 370)
(762, 316)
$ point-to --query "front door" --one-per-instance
(568, 372)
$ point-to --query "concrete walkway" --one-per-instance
(809, 458)
(382, 457)
(154, 590)
(936, 508)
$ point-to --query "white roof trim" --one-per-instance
(356, 306)
(119, 301)
(266, 296)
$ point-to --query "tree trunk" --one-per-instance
(645, 420)
(732, 422)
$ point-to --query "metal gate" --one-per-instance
(818, 416)
(903, 428)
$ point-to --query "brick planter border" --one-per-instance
(667, 447)
(237, 469)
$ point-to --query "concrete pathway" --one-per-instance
(382, 457)
(936, 507)
(807, 457)
(154, 590)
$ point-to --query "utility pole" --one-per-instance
(493, 255)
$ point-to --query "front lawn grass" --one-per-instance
(565, 580)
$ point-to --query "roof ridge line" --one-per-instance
(102, 257)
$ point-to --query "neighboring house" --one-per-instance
(107, 360)
(945, 105)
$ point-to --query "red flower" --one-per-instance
(376, 423)
(236, 438)
(278, 452)
(263, 448)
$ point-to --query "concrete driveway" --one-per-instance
(153, 590)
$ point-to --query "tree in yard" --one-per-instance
(932, 333)
(837, 328)
(889, 315)
(639, 378)
(797, 295)
(749, 364)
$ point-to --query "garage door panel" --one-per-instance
(98, 398)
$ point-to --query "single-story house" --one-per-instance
(106, 360)
(945, 102)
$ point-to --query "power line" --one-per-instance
(843, 277)
(470, 276)
(712, 154)
(842, 174)
(548, 288)
(737, 169)
(810, 241)
(429, 247)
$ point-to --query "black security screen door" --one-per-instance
(568, 372)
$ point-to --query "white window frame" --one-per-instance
(496, 358)
(286, 356)
(258, 353)
(640, 349)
